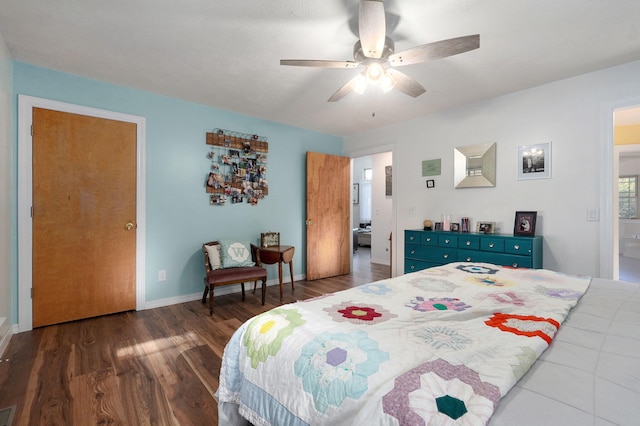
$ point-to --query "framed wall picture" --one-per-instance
(388, 181)
(269, 239)
(356, 193)
(534, 161)
(525, 224)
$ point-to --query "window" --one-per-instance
(628, 196)
(366, 175)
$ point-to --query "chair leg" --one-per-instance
(211, 299)
(242, 286)
(264, 290)
(206, 292)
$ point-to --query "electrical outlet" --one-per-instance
(162, 275)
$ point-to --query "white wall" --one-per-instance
(357, 167)
(568, 113)
(5, 194)
(381, 219)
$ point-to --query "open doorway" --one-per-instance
(372, 212)
(627, 171)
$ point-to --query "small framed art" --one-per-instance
(534, 161)
(485, 227)
(355, 195)
(269, 239)
(525, 224)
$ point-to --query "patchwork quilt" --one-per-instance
(438, 346)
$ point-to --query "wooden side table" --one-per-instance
(277, 254)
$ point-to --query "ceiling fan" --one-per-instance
(374, 50)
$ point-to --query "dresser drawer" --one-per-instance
(471, 242)
(522, 247)
(412, 237)
(502, 259)
(511, 260)
(429, 239)
(473, 256)
(413, 265)
(415, 251)
(492, 244)
(448, 240)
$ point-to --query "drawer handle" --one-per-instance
(413, 267)
(468, 243)
(517, 247)
(515, 265)
(411, 238)
(468, 259)
(428, 239)
(446, 256)
(491, 245)
(413, 252)
(446, 241)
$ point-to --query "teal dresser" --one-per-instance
(424, 249)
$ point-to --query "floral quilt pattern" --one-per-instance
(438, 346)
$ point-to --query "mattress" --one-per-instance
(590, 374)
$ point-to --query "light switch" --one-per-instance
(593, 215)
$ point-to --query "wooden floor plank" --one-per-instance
(154, 367)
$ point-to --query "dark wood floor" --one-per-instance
(153, 367)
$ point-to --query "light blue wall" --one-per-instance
(179, 217)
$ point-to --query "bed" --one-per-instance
(464, 343)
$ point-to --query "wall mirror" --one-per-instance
(475, 166)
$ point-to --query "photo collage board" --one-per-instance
(238, 167)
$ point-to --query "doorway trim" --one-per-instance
(609, 265)
(25, 196)
(379, 150)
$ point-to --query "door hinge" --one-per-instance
(31, 212)
(32, 292)
(32, 130)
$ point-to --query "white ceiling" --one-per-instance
(226, 53)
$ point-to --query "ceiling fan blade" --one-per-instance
(436, 50)
(318, 63)
(346, 89)
(372, 27)
(405, 84)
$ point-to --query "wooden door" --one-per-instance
(84, 211)
(328, 215)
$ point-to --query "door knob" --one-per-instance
(308, 222)
(129, 226)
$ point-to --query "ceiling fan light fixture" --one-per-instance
(387, 83)
(360, 84)
(375, 73)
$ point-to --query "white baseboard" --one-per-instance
(381, 261)
(219, 292)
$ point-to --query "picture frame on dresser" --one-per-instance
(525, 224)
(485, 227)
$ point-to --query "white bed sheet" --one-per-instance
(590, 375)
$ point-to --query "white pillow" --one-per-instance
(214, 255)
